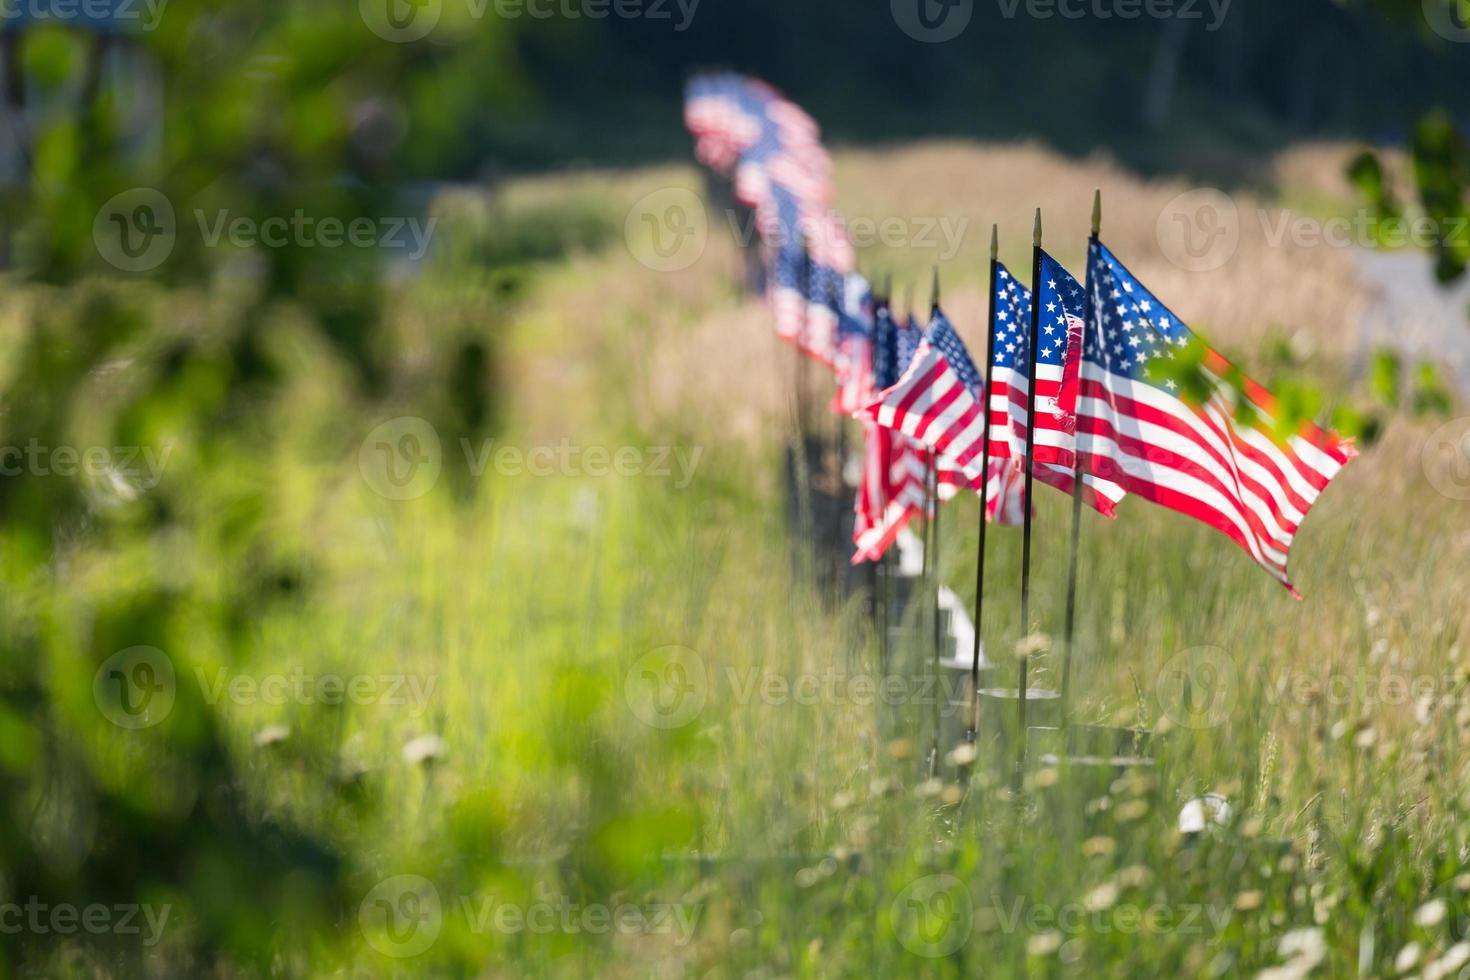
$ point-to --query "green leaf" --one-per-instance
(1384, 373)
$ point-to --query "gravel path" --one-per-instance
(1414, 315)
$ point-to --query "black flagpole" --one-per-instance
(875, 578)
(1077, 476)
(1030, 452)
(837, 302)
(985, 487)
(801, 477)
(801, 392)
(885, 565)
(934, 566)
(933, 310)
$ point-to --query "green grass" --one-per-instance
(793, 827)
(778, 822)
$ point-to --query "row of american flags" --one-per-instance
(1127, 398)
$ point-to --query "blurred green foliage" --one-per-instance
(207, 362)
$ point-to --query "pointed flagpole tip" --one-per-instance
(1096, 212)
(994, 242)
(1036, 232)
(934, 295)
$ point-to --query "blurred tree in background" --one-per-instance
(123, 325)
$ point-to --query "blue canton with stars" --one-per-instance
(909, 337)
(790, 269)
(943, 337)
(825, 288)
(1130, 326)
(1012, 320)
(885, 349)
(1061, 295)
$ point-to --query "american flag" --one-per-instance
(938, 404)
(788, 292)
(772, 149)
(1186, 438)
(854, 361)
(823, 313)
(892, 489)
(717, 111)
(1053, 452)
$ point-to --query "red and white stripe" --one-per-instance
(854, 371)
(1005, 493)
(892, 492)
(788, 306)
(1226, 468)
(1056, 402)
(932, 406)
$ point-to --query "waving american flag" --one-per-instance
(1157, 415)
(1058, 379)
(938, 404)
(772, 151)
(854, 353)
(892, 489)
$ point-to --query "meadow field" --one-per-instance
(605, 723)
(553, 807)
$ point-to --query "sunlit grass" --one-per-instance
(512, 628)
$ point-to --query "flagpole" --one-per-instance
(1077, 477)
(884, 561)
(934, 502)
(802, 480)
(1030, 453)
(875, 577)
(837, 303)
(970, 735)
